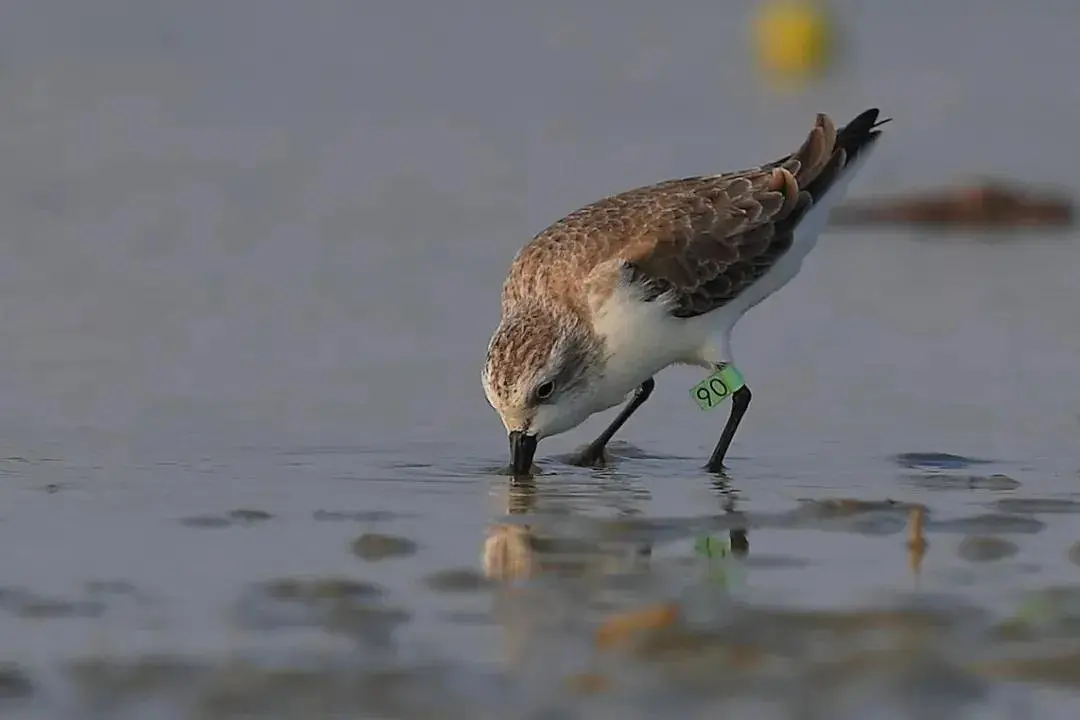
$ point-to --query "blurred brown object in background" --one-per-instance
(990, 204)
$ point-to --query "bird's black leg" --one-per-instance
(594, 454)
(740, 400)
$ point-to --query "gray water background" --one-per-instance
(250, 259)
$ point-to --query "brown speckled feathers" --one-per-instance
(701, 239)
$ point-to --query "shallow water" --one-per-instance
(251, 260)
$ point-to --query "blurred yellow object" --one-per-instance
(792, 37)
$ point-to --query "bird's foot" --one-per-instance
(591, 457)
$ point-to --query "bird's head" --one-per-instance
(540, 377)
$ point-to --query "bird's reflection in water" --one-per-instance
(519, 550)
(508, 549)
(598, 575)
(571, 625)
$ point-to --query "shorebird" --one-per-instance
(599, 302)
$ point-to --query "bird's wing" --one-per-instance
(701, 241)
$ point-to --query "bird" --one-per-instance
(600, 301)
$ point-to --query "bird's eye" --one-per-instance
(544, 390)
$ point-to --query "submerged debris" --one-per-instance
(624, 627)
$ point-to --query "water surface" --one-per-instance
(250, 261)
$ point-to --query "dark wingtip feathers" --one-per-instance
(860, 132)
(851, 140)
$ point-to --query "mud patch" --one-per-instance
(988, 524)
(336, 604)
(862, 517)
(15, 683)
(356, 516)
(936, 461)
(233, 518)
(456, 581)
(986, 548)
(374, 547)
(1038, 506)
(27, 604)
(938, 481)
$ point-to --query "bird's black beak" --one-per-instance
(522, 449)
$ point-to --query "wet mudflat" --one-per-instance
(569, 594)
(246, 467)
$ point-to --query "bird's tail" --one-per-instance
(828, 154)
(825, 165)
